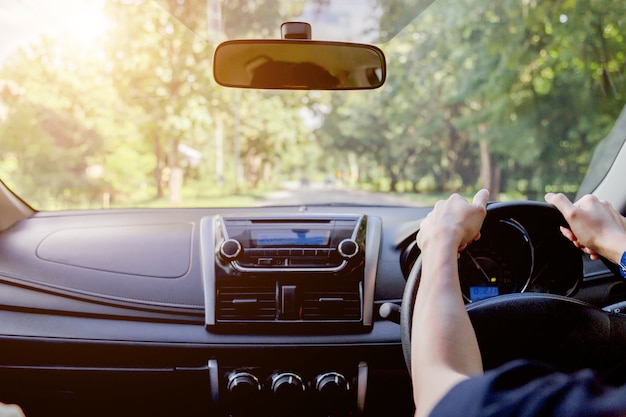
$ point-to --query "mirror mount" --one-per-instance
(295, 30)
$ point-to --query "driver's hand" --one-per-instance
(10, 410)
(455, 219)
(594, 225)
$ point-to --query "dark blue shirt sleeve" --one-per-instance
(528, 389)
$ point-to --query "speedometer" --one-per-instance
(485, 274)
(499, 263)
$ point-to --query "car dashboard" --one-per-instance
(264, 311)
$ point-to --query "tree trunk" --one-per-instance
(158, 169)
(496, 181)
(485, 165)
(353, 174)
(393, 177)
(490, 176)
(176, 175)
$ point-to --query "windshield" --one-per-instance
(109, 104)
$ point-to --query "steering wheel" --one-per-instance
(562, 331)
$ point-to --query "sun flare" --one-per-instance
(81, 20)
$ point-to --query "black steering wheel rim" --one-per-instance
(564, 332)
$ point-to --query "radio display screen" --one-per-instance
(263, 238)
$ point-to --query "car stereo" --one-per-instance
(290, 269)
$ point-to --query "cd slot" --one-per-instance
(294, 257)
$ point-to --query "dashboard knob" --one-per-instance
(348, 248)
(242, 385)
(287, 386)
(230, 249)
(332, 386)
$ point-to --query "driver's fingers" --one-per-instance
(568, 234)
(561, 202)
(10, 410)
(481, 198)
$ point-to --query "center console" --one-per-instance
(289, 275)
(292, 273)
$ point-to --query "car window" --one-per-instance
(109, 104)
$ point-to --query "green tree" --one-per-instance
(61, 125)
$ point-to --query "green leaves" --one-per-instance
(532, 82)
(505, 94)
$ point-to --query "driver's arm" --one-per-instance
(444, 350)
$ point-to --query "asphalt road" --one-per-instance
(320, 194)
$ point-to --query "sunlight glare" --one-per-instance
(82, 20)
(25, 20)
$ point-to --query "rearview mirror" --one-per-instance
(298, 65)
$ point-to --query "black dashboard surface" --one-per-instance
(150, 259)
(110, 304)
(92, 301)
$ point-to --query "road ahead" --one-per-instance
(319, 194)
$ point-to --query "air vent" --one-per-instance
(337, 304)
(246, 303)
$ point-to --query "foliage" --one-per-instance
(512, 95)
(463, 107)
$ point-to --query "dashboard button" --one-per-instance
(287, 387)
(348, 248)
(243, 385)
(332, 385)
(230, 249)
